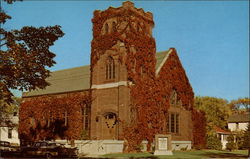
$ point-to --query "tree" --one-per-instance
(213, 142)
(231, 145)
(25, 57)
(246, 139)
(240, 105)
(8, 109)
(216, 112)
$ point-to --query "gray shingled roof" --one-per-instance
(239, 118)
(74, 79)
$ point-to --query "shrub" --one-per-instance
(231, 145)
(246, 138)
(213, 142)
(239, 139)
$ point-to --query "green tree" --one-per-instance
(246, 139)
(8, 109)
(216, 112)
(239, 137)
(213, 142)
(231, 145)
(25, 57)
(240, 105)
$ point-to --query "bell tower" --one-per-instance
(122, 45)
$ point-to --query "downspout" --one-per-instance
(118, 100)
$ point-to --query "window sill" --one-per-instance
(109, 81)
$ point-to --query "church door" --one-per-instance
(109, 126)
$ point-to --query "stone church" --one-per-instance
(108, 78)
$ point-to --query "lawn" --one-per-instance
(193, 154)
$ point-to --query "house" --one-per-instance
(9, 129)
(97, 101)
(222, 135)
(238, 122)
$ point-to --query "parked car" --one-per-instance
(48, 149)
(6, 148)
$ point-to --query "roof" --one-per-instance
(75, 79)
(239, 118)
(221, 131)
(67, 80)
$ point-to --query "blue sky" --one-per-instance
(211, 37)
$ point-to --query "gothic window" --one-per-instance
(110, 68)
(49, 119)
(113, 27)
(173, 98)
(106, 28)
(10, 132)
(173, 123)
(85, 115)
(65, 118)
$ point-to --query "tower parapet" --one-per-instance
(116, 19)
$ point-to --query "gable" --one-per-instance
(75, 79)
(172, 76)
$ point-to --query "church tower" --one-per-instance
(122, 50)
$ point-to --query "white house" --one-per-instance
(238, 122)
(9, 129)
(222, 135)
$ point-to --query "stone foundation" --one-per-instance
(101, 147)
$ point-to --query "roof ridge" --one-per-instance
(70, 68)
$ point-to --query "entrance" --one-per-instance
(109, 126)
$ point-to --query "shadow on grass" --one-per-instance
(224, 155)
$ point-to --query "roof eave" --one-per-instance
(163, 61)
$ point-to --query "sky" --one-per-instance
(211, 37)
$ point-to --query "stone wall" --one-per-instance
(101, 147)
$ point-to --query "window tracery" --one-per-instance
(173, 98)
(110, 68)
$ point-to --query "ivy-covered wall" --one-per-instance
(53, 117)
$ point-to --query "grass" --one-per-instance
(192, 154)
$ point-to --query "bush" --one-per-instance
(213, 142)
(246, 138)
(239, 139)
(84, 135)
(231, 145)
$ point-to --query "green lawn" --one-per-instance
(193, 154)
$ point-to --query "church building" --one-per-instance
(94, 101)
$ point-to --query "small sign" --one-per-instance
(163, 143)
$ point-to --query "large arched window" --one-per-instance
(110, 68)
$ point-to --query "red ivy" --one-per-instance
(44, 117)
(150, 93)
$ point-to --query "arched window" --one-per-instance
(85, 115)
(173, 98)
(106, 28)
(113, 27)
(110, 68)
(110, 119)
